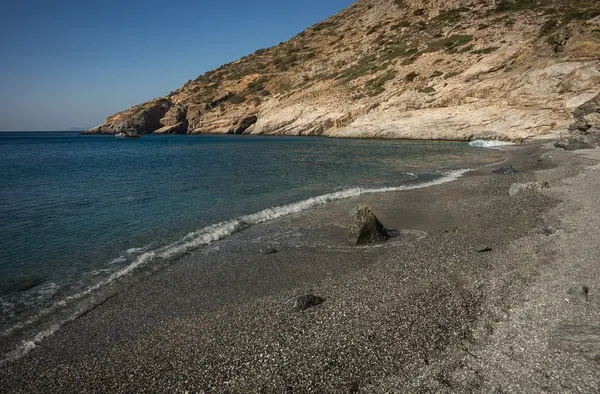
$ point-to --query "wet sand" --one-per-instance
(416, 314)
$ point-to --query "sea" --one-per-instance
(83, 215)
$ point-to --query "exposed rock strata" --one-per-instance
(454, 70)
(587, 115)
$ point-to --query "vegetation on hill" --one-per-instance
(364, 54)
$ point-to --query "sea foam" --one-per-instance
(199, 238)
(490, 144)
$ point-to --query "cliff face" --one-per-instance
(419, 69)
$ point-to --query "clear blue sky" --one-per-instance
(71, 63)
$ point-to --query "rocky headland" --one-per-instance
(412, 69)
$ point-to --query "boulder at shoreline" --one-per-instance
(365, 227)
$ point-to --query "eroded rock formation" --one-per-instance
(452, 69)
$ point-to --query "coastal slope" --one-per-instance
(456, 70)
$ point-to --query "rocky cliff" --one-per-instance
(418, 69)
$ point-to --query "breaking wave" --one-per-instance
(195, 240)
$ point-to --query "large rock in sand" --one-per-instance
(365, 227)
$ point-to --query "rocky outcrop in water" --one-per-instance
(142, 118)
(414, 69)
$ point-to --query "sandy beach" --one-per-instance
(481, 291)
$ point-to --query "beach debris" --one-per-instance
(584, 339)
(304, 302)
(485, 250)
(517, 188)
(579, 291)
(576, 142)
(505, 170)
(365, 227)
(269, 251)
(549, 230)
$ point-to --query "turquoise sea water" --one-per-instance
(77, 212)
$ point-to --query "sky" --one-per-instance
(68, 64)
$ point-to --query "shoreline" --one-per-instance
(516, 141)
(73, 306)
(220, 309)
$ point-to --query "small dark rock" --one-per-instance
(549, 230)
(354, 387)
(304, 302)
(270, 251)
(579, 291)
(505, 170)
(485, 250)
(366, 228)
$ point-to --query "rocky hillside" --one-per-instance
(419, 69)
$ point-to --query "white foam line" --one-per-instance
(490, 144)
(137, 250)
(120, 259)
(203, 237)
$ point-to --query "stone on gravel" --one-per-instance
(365, 227)
(576, 142)
(304, 302)
(517, 188)
(579, 291)
(505, 170)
